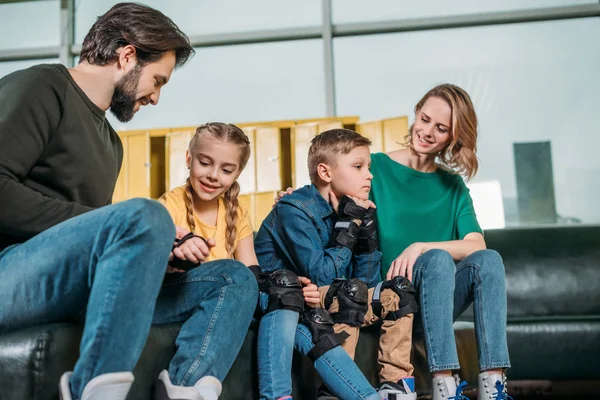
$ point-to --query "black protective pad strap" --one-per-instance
(348, 209)
(185, 265)
(353, 296)
(326, 343)
(405, 291)
(284, 289)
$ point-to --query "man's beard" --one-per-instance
(124, 97)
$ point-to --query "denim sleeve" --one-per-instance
(303, 247)
(367, 267)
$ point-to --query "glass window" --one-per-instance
(29, 24)
(245, 83)
(530, 83)
(211, 17)
(347, 11)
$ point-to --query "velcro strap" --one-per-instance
(349, 317)
(326, 343)
(332, 292)
(376, 301)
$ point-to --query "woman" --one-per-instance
(429, 233)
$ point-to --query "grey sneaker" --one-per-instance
(448, 388)
(114, 386)
(492, 387)
(403, 390)
(207, 388)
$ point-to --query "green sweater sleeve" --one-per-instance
(466, 220)
(30, 112)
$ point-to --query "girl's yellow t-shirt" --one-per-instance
(174, 201)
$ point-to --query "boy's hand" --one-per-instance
(281, 194)
(335, 203)
(310, 292)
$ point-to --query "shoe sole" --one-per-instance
(161, 393)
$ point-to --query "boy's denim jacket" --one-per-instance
(297, 235)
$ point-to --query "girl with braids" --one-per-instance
(207, 205)
(212, 229)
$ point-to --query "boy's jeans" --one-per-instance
(395, 342)
(106, 267)
(279, 333)
(445, 290)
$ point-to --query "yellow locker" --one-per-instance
(268, 158)
(394, 131)
(247, 178)
(302, 134)
(137, 166)
(176, 144)
(374, 131)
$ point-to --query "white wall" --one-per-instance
(529, 82)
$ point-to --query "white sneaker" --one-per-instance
(114, 386)
(492, 387)
(448, 388)
(207, 388)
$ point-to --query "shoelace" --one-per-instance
(459, 395)
(501, 391)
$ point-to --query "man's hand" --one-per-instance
(310, 292)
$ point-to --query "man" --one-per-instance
(66, 257)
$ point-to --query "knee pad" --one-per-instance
(353, 296)
(405, 291)
(284, 290)
(320, 324)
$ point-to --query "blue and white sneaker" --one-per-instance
(448, 388)
(402, 390)
(492, 387)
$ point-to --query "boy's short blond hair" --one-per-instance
(327, 146)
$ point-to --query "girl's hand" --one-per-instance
(310, 292)
(403, 265)
(194, 249)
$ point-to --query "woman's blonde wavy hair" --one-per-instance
(460, 155)
(228, 133)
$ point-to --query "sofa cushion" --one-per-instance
(550, 271)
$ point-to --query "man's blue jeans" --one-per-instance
(278, 334)
(106, 268)
(445, 290)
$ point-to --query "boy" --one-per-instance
(326, 232)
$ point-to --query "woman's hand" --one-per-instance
(281, 194)
(403, 265)
(310, 292)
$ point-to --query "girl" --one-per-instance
(219, 305)
(427, 223)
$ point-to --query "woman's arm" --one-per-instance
(458, 249)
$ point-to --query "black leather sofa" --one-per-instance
(553, 279)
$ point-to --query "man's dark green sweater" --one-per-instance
(59, 156)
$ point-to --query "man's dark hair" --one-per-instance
(148, 30)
